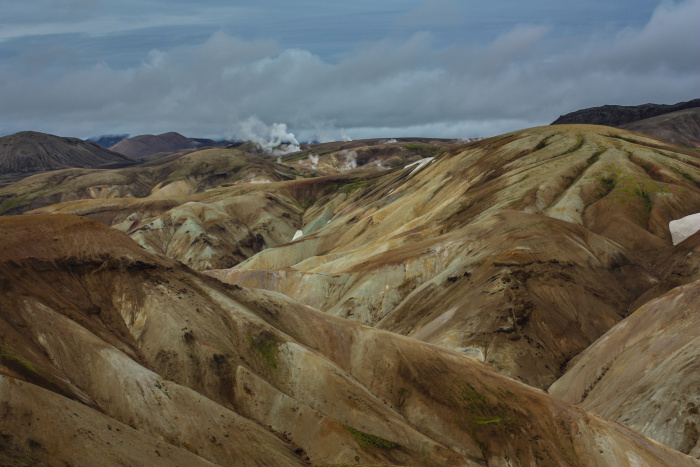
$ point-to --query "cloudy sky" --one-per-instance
(387, 68)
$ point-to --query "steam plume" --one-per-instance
(350, 159)
(272, 139)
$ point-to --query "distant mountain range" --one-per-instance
(107, 141)
(142, 146)
(30, 151)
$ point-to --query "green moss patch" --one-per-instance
(9, 357)
(366, 440)
(266, 345)
(349, 188)
(476, 402)
(11, 203)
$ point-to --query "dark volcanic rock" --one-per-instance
(617, 115)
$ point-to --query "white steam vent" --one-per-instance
(684, 228)
(273, 139)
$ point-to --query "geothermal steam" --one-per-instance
(350, 159)
(272, 139)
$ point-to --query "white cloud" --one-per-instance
(390, 88)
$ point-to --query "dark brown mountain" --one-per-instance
(681, 127)
(141, 146)
(618, 115)
(31, 152)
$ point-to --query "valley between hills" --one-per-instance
(510, 301)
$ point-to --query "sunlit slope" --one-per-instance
(520, 249)
(106, 345)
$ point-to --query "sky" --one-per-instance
(326, 70)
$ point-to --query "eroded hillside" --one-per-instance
(519, 251)
(110, 352)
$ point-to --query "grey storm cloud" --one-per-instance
(401, 85)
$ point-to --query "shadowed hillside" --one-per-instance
(681, 127)
(30, 152)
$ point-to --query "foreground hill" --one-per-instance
(681, 127)
(618, 115)
(113, 355)
(30, 151)
(141, 146)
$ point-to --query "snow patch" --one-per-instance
(420, 164)
(684, 227)
(298, 234)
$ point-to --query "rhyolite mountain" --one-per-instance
(406, 312)
(31, 152)
(520, 250)
(618, 115)
(113, 355)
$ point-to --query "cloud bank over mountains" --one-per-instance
(399, 85)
